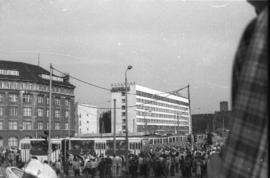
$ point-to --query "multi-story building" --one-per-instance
(149, 110)
(87, 119)
(24, 103)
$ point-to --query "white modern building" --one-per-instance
(87, 119)
(149, 110)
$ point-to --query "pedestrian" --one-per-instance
(114, 166)
(58, 167)
(118, 166)
(134, 167)
(66, 168)
(108, 167)
(87, 168)
(76, 167)
(101, 167)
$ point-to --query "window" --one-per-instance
(12, 125)
(1, 111)
(66, 126)
(13, 142)
(48, 100)
(57, 126)
(1, 97)
(123, 107)
(67, 114)
(27, 98)
(123, 100)
(57, 101)
(27, 125)
(40, 125)
(67, 102)
(13, 111)
(1, 125)
(13, 97)
(47, 112)
(40, 112)
(40, 100)
(27, 112)
(123, 114)
(57, 113)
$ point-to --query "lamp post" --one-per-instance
(126, 88)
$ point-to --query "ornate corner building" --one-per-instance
(24, 103)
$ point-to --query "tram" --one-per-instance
(63, 147)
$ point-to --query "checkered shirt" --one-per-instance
(246, 152)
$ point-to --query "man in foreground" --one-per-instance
(246, 152)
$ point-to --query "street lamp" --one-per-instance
(126, 88)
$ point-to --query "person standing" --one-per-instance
(118, 166)
(76, 167)
(101, 168)
(245, 154)
(58, 167)
(114, 166)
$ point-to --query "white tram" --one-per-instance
(97, 145)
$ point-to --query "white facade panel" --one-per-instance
(87, 119)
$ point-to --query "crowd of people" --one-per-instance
(159, 161)
(11, 157)
(155, 161)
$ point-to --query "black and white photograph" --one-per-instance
(133, 88)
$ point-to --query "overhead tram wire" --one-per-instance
(109, 90)
(88, 83)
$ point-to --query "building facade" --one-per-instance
(212, 122)
(24, 103)
(149, 110)
(87, 119)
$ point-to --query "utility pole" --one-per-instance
(126, 100)
(223, 127)
(114, 126)
(190, 121)
(50, 117)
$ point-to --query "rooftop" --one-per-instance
(20, 71)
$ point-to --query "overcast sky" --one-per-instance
(169, 43)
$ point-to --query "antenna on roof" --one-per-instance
(38, 59)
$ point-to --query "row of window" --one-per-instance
(161, 98)
(156, 103)
(28, 98)
(162, 121)
(13, 125)
(27, 112)
(33, 86)
(157, 115)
